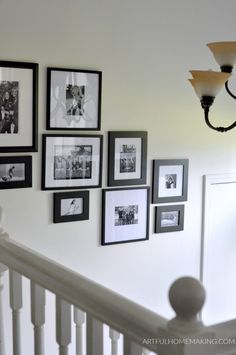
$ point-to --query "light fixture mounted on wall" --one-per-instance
(208, 83)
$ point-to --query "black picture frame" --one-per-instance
(125, 215)
(124, 171)
(71, 161)
(70, 206)
(19, 107)
(73, 99)
(15, 172)
(169, 218)
(170, 180)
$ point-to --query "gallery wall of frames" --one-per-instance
(73, 161)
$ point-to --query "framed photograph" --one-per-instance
(71, 206)
(73, 99)
(127, 158)
(169, 218)
(170, 180)
(15, 172)
(125, 215)
(71, 161)
(18, 110)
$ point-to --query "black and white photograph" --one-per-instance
(9, 107)
(169, 218)
(71, 206)
(15, 172)
(18, 107)
(71, 161)
(170, 180)
(127, 158)
(73, 99)
(12, 172)
(125, 215)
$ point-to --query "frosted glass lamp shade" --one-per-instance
(208, 82)
(195, 86)
(224, 52)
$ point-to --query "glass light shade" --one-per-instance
(224, 52)
(193, 83)
(208, 82)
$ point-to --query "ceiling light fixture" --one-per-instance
(208, 83)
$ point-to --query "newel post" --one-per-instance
(186, 334)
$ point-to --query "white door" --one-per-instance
(219, 248)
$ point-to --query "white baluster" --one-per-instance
(79, 320)
(38, 317)
(3, 268)
(2, 217)
(16, 305)
(114, 336)
(94, 336)
(63, 325)
(131, 348)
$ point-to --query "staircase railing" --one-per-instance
(144, 332)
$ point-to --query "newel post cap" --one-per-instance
(187, 297)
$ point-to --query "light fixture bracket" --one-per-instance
(226, 68)
(207, 101)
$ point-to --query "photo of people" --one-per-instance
(75, 99)
(9, 91)
(12, 172)
(125, 215)
(127, 158)
(72, 162)
(71, 206)
(169, 219)
(170, 181)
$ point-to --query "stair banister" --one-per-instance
(143, 330)
(118, 312)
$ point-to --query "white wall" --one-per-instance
(144, 49)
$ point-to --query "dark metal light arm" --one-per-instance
(206, 102)
(227, 69)
(228, 90)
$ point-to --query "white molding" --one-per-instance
(208, 182)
